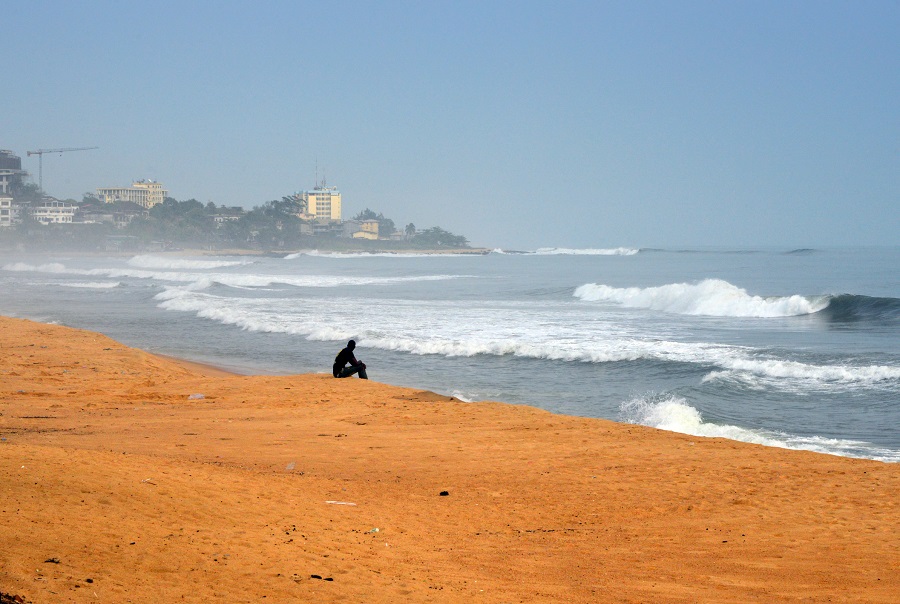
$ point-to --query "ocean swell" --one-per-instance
(562, 251)
(850, 308)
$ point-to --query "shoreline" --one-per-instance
(111, 465)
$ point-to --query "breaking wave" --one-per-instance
(712, 297)
(50, 267)
(91, 285)
(157, 262)
(717, 298)
(758, 372)
(229, 279)
(451, 330)
(673, 413)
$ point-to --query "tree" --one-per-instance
(439, 238)
(410, 230)
(366, 214)
(28, 192)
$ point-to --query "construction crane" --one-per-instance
(40, 154)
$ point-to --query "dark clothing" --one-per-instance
(339, 368)
(348, 371)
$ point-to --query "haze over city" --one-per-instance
(519, 125)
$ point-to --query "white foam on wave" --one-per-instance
(166, 263)
(673, 413)
(461, 397)
(240, 280)
(256, 315)
(448, 329)
(91, 285)
(757, 373)
(50, 267)
(562, 251)
(711, 297)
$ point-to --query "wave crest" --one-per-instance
(158, 262)
(91, 285)
(712, 297)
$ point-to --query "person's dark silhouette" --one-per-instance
(345, 356)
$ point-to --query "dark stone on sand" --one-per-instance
(444, 493)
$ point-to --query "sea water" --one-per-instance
(788, 348)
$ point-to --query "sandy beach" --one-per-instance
(128, 477)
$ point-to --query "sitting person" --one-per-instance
(340, 370)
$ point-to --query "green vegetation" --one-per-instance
(273, 226)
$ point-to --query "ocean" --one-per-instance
(787, 348)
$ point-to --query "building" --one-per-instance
(10, 171)
(368, 229)
(145, 193)
(53, 211)
(323, 204)
(6, 211)
(225, 215)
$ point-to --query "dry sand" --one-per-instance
(117, 486)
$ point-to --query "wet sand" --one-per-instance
(116, 485)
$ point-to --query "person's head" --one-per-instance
(351, 344)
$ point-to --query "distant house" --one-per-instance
(53, 211)
(224, 215)
(94, 215)
(368, 229)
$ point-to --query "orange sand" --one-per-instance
(142, 494)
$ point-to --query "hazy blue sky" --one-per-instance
(517, 124)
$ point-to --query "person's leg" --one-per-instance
(363, 375)
(348, 371)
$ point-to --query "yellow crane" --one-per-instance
(40, 154)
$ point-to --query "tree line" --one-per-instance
(274, 225)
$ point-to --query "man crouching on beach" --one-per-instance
(339, 369)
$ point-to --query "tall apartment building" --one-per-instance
(323, 203)
(145, 193)
(10, 171)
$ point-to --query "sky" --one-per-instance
(517, 124)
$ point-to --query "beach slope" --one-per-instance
(128, 477)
